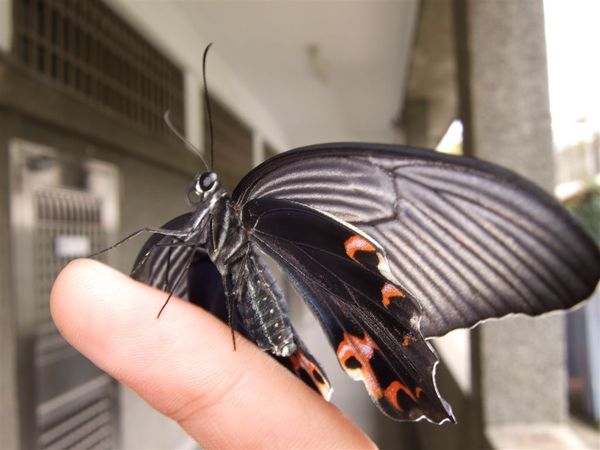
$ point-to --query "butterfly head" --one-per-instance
(204, 186)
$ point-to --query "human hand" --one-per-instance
(184, 365)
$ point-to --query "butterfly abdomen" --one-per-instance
(248, 282)
(262, 305)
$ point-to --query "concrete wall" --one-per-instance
(8, 339)
(510, 125)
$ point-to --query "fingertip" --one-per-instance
(78, 286)
(74, 276)
(79, 274)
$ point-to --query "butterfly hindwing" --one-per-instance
(372, 323)
(162, 262)
(206, 290)
(305, 366)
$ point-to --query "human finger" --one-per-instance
(184, 365)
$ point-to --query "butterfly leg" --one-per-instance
(162, 231)
(178, 279)
(143, 258)
(174, 244)
(231, 317)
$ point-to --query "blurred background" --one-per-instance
(86, 159)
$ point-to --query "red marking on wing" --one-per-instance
(388, 292)
(418, 391)
(391, 393)
(300, 361)
(407, 340)
(355, 244)
(362, 350)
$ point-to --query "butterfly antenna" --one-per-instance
(207, 103)
(182, 138)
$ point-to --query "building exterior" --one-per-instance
(87, 158)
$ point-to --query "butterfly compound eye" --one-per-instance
(207, 181)
(200, 187)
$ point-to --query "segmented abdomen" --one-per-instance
(248, 282)
(262, 305)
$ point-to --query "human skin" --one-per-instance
(184, 365)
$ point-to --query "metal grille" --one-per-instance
(61, 208)
(87, 50)
(60, 212)
(91, 426)
(81, 415)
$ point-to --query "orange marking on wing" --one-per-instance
(389, 291)
(355, 244)
(300, 361)
(418, 391)
(391, 393)
(362, 350)
(407, 340)
(295, 360)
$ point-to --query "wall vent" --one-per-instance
(86, 50)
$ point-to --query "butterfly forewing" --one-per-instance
(468, 239)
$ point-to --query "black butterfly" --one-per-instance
(389, 246)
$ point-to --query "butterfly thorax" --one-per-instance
(248, 283)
